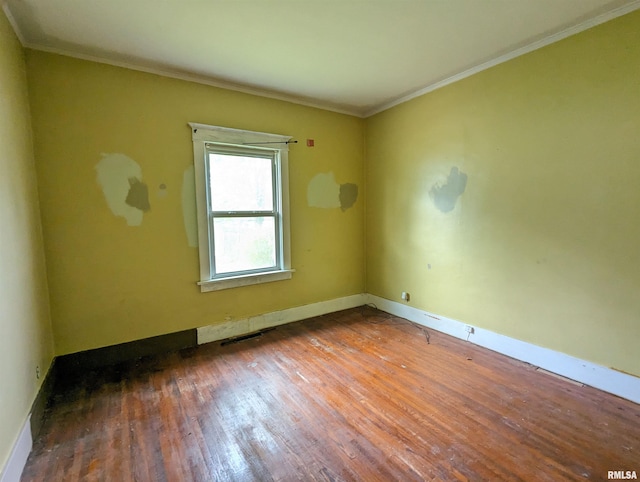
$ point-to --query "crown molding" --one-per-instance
(177, 74)
(568, 32)
(354, 111)
(12, 22)
(196, 78)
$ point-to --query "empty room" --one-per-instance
(319, 240)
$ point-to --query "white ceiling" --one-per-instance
(353, 56)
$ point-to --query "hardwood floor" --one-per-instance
(356, 395)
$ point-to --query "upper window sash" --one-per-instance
(245, 151)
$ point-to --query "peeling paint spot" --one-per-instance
(348, 195)
(445, 196)
(119, 176)
(324, 192)
(189, 215)
(138, 195)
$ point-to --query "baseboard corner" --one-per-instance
(588, 373)
(12, 470)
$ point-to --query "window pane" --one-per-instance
(240, 183)
(244, 243)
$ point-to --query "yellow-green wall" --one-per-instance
(544, 243)
(540, 246)
(110, 282)
(25, 326)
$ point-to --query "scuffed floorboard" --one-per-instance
(355, 395)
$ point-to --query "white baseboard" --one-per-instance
(252, 324)
(18, 458)
(597, 376)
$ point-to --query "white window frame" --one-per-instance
(202, 135)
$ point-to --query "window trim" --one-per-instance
(201, 135)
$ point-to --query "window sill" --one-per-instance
(245, 280)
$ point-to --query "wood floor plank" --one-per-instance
(358, 395)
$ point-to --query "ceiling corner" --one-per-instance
(12, 21)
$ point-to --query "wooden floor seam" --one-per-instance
(357, 395)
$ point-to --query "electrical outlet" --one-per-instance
(38, 372)
(469, 329)
(405, 296)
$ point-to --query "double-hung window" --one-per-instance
(242, 204)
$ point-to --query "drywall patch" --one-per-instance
(189, 214)
(348, 195)
(127, 196)
(324, 192)
(445, 196)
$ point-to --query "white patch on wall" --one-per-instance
(120, 178)
(323, 191)
(189, 213)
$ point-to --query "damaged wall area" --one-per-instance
(324, 192)
(120, 228)
(446, 195)
(509, 200)
(120, 178)
(189, 210)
